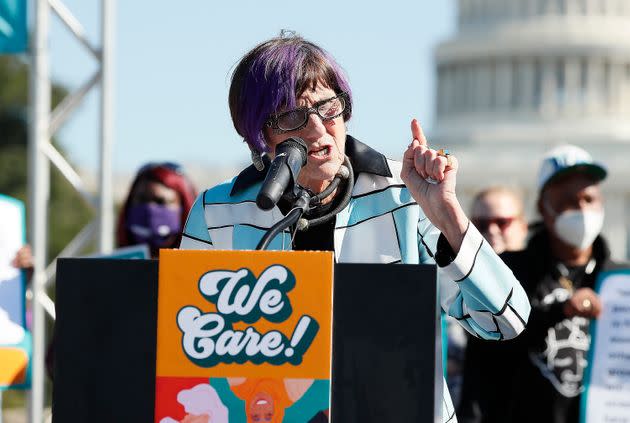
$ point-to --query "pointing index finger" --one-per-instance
(416, 132)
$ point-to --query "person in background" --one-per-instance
(498, 214)
(153, 213)
(156, 207)
(558, 269)
(24, 259)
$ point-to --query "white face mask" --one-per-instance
(579, 228)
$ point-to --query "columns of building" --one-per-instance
(548, 90)
(463, 15)
(616, 222)
(458, 88)
(572, 86)
(446, 76)
(594, 85)
(615, 84)
(441, 92)
(531, 7)
(573, 7)
(514, 9)
(526, 83)
(592, 7)
(503, 85)
(483, 86)
(625, 91)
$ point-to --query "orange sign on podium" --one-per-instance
(243, 336)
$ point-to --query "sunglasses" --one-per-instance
(483, 223)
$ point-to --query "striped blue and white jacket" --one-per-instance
(381, 224)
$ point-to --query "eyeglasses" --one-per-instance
(297, 119)
(483, 223)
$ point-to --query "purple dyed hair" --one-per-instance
(272, 76)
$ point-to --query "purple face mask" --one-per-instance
(153, 224)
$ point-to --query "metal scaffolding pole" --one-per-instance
(106, 205)
(39, 190)
(42, 127)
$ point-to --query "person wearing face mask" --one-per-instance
(558, 269)
(155, 210)
(153, 213)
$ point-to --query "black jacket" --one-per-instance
(537, 377)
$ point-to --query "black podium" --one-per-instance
(386, 342)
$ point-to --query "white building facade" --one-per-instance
(521, 76)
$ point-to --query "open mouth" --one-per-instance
(320, 153)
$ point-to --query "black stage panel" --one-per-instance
(385, 336)
(384, 343)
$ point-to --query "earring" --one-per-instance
(257, 159)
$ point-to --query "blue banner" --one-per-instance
(13, 32)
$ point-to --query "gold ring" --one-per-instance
(586, 303)
(443, 152)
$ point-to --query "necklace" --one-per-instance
(565, 281)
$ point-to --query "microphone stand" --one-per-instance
(300, 207)
(304, 201)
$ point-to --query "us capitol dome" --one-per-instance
(522, 76)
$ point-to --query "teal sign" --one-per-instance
(13, 38)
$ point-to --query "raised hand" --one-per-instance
(585, 303)
(437, 198)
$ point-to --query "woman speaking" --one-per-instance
(363, 207)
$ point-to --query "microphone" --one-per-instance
(283, 172)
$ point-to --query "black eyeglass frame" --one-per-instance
(272, 122)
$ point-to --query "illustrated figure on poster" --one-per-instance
(269, 400)
(202, 405)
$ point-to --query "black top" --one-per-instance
(320, 237)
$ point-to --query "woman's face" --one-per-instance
(261, 408)
(155, 215)
(152, 192)
(326, 141)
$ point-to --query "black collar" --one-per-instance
(362, 157)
